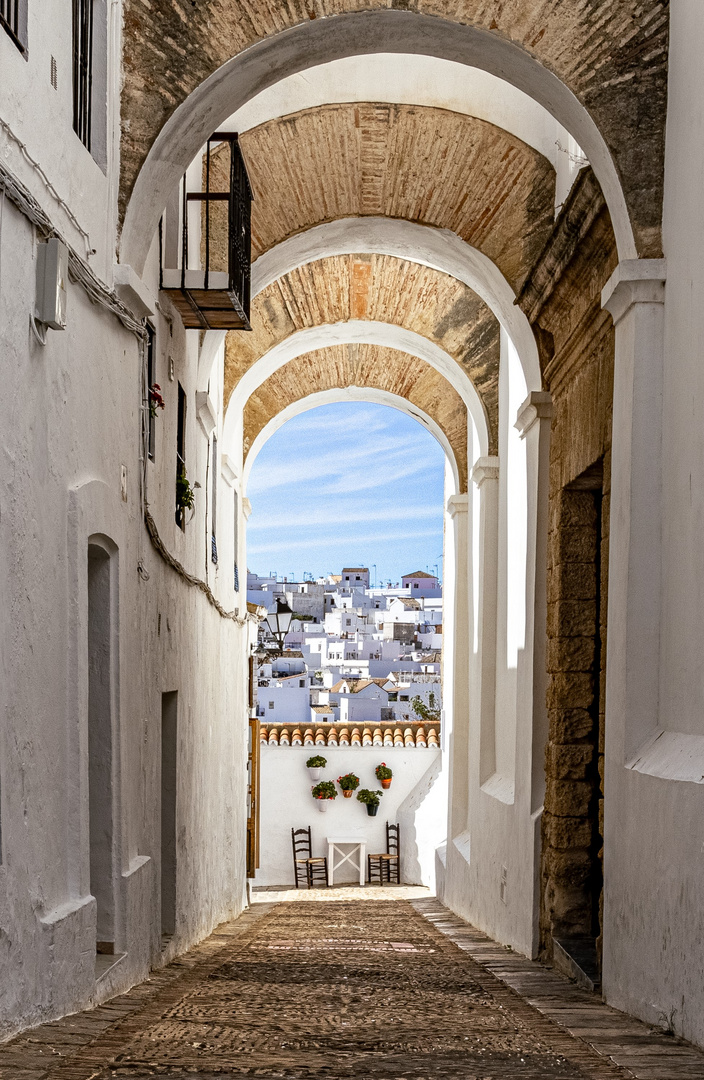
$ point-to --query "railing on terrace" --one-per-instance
(417, 735)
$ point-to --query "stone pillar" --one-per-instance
(634, 296)
(457, 508)
(485, 475)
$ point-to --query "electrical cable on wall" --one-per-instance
(80, 273)
(90, 250)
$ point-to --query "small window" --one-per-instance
(214, 506)
(13, 19)
(151, 399)
(180, 456)
(83, 69)
(235, 540)
(404, 697)
(301, 682)
(415, 585)
(90, 57)
(271, 704)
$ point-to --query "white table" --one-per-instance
(358, 844)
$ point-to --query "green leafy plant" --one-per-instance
(370, 798)
(431, 712)
(185, 495)
(383, 772)
(316, 762)
(324, 789)
(348, 782)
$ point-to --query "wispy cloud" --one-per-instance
(337, 539)
(336, 457)
(342, 513)
(346, 483)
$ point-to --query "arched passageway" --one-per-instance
(460, 211)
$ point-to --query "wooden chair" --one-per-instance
(386, 865)
(305, 867)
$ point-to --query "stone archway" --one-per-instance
(406, 381)
(161, 141)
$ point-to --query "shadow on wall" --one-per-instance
(423, 819)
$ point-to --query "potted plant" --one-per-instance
(323, 792)
(370, 799)
(156, 400)
(315, 766)
(349, 783)
(185, 494)
(384, 774)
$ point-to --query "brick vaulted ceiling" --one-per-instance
(373, 366)
(380, 288)
(612, 54)
(426, 165)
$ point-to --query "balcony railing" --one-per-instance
(215, 293)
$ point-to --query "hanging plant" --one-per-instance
(315, 766)
(185, 495)
(324, 792)
(384, 774)
(349, 783)
(370, 800)
(156, 401)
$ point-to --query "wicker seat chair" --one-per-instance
(307, 869)
(386, 865)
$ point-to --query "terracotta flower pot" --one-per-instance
(386, 783)
(347, 793)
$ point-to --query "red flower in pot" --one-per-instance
(384, 774)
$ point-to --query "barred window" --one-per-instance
(13, 19)
(82, 69)
(90, 75)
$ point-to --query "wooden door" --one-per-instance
(253, 799)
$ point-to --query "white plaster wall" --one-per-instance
(70, 417)
(654, 844)
(40, 117)
(494, 826)
(416, 800)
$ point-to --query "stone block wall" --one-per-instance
(562, 298)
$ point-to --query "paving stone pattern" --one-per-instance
(350, 989)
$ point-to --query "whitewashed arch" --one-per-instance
(439, 249)
(323, 40)
(356, 331)
(350, 393)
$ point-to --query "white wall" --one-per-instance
(654, 842)
(70, 418)
(416, 800)
(494, 829)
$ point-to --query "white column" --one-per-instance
(634, 295)
(533, 424)
(485, 475)
(457, 508)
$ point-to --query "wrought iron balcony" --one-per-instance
(215, 293)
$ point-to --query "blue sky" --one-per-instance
(350, 484)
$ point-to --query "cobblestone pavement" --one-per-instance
(394, 990)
